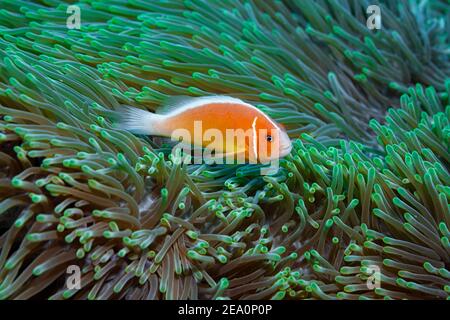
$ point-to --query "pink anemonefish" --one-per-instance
(264, 140)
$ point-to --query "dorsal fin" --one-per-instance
(174, 103)
(178, 102)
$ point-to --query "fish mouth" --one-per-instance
(285, 144)
(285, 150)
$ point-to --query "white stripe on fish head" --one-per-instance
(255, 137)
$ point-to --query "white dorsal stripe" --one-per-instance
(199, 101)
(255, 137)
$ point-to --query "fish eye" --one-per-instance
(269, 138)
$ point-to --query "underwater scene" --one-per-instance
(224, 150)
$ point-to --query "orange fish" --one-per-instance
(227, 125)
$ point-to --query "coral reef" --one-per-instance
(365, 188)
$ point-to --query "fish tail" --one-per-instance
(136, 120)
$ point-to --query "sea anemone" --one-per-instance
(358, 210)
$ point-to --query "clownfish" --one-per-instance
(222, 122)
